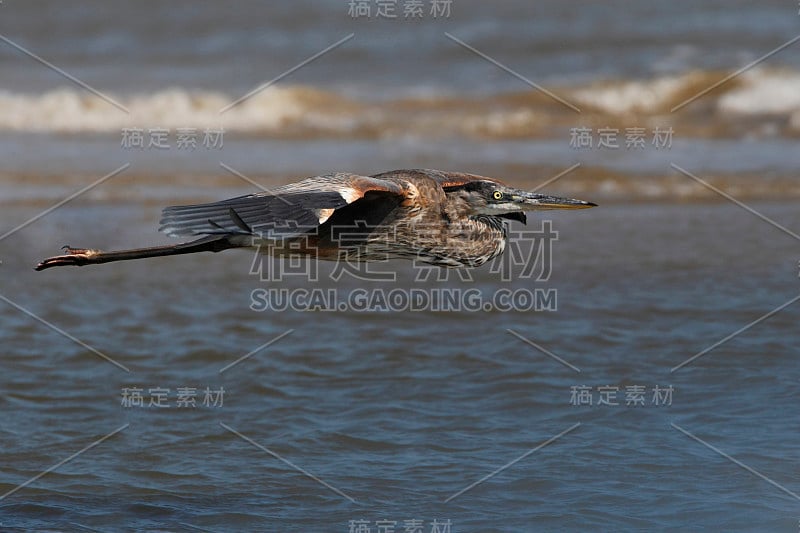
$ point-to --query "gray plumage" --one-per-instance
(443, 218)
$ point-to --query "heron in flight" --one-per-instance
(442, 218)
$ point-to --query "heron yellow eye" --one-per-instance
(497, 195)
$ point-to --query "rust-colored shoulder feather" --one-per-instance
(442, 178)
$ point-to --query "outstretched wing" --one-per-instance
(291, 208)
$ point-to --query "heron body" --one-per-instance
(450, 219)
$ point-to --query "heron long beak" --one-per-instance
(530, 201)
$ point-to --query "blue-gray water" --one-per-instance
(401, 410)
(390, 415)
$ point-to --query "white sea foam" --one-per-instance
(629, 96)
(72, 110)
(759, 91)
(298, 111)
(763, 92)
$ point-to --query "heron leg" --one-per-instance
(86, 256)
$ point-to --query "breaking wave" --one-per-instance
(771, 97)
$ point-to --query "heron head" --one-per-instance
(491, 198)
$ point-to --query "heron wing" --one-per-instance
(288, 209)
(442, 178)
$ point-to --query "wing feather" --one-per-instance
(442, 178)
(287, 209)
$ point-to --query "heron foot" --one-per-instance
(77, 251)
(73, 257)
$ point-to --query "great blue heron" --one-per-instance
(442, 218)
